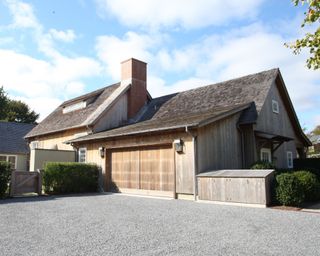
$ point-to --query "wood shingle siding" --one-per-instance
(219, 145)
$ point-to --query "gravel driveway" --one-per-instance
(125, 225)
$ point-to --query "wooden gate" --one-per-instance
(25, 182)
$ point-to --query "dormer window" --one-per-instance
(275, 106)
(75, 106)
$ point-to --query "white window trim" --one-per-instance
(289, 156)
(275, 103)
(74, 107)
(34, 144)
(268, 151)
(85, 156)
(15, 161)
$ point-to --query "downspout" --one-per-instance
(242, 145)
(194, 142)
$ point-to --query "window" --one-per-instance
(82, 155)
(265, 155)
(275, 106)
(289, 159)
(11, 159)
(75, 106)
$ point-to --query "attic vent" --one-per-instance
(73, 107)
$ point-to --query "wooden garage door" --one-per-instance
(143, 168)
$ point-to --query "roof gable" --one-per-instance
(58, 121)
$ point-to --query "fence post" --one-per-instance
(12, 183)
(39, 182)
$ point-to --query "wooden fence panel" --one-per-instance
(25, 182)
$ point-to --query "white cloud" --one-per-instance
(64, 36)
(23, 15)
(43, 82)
(41, 105)
(178, 13)
(112, 50)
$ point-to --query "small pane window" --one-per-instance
(275, 106)
(265, 155)
(289, 159)
(12, 161)
(82, 155)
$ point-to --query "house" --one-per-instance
(159, 145)
(314, 150)
(13, 147)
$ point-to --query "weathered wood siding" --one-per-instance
(219, 145)
(184, 168)
(279, 124)
(56, 140)
(115, 116)
(247, 190)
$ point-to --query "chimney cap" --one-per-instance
(133, 59)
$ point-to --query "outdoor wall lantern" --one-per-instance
(178, 145)
(101, 152)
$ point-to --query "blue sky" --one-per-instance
(53, 50)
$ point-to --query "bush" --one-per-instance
(5, 174)
(262, 165)
(310, 185)
(63, 178)
(289, 190)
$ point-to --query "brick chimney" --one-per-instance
(135, 72)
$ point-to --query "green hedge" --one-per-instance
(294, 188)
(310, 185)
(5, 174)
(262, 165)
(63, 178)
(289, 190)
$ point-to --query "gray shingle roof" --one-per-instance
(195, 106)
(11, 137)
(57, 121)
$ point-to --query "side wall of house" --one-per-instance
(278, 124)
(219, 145)
(184, 167)
(22, 162)
(115, 116)
(56, 140)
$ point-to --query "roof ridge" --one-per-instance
(92, 93)
(230, 80)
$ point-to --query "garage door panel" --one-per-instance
(125, 169)
(144, 168)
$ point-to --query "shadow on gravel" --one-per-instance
(28, 199)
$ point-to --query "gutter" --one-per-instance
(195, 171)
(242, 145)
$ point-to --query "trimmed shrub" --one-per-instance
(262, 165)
(64, 178)
(5, 174)
(310, 185)
(289, 190)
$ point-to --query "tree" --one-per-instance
(316, 131)
(310, 41)
(3, 103)
(15, 110)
